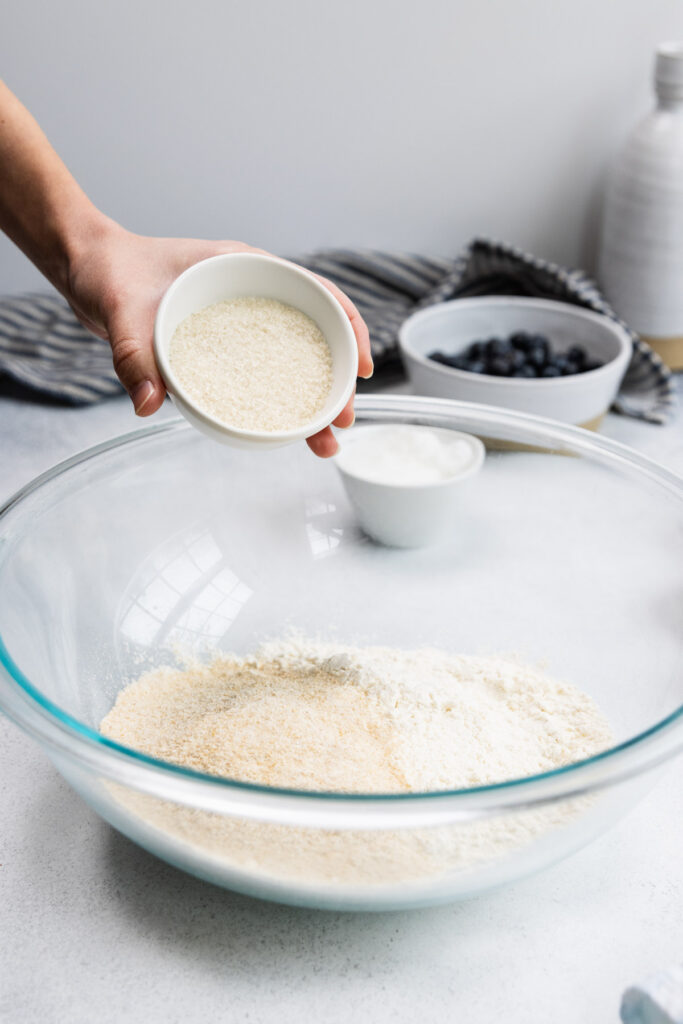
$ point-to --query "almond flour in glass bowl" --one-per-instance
(255, 351)
(108, 568)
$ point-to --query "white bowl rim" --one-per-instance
(257, 436)
(521, 301)
(353, 437)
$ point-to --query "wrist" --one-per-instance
(80, 229)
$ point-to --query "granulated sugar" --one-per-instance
(253, 363)
(312, 715)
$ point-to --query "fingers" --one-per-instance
(347, 415)
(365, 365)
(323, 444)
(131, 345)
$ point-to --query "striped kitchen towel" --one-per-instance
(44, 348)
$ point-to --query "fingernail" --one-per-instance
(367, 376)
(141, 395)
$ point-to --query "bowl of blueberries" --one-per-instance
(538, 356)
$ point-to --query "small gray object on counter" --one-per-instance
(45, 349)
(658, 1000)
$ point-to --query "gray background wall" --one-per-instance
(298, 124)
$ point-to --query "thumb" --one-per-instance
(131, 346)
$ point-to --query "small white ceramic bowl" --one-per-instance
(405, 515)
(234, 275)
(581, 399)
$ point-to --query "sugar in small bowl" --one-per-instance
(255, 351)
(405, 482)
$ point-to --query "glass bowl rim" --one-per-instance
(37, 715)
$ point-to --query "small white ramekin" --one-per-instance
(236, 275)
(406, 515)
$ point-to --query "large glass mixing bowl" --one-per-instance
(566, 549)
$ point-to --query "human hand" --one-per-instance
(112, 278)
(114, 285)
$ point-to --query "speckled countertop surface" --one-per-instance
(93, 928)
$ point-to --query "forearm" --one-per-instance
(112, 279)
(42, 208)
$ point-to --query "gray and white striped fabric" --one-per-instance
(44, 348)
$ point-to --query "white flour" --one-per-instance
(405, 454)
(253, 363)
(312, 715)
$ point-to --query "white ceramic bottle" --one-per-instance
(641, 254)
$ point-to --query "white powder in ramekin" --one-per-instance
(404, 454)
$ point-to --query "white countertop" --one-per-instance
(92, 928)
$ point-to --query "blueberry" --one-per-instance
(591, 364)
(540, 341)
(477, 366)
(521, 340)
(537, 356)
(466, 363)
(577, 355)
(562, 364)
(525, 371)
(498, 347)
(550, 371)
(440, 357)
(500, 366)
(517, 359)
(477, 349)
